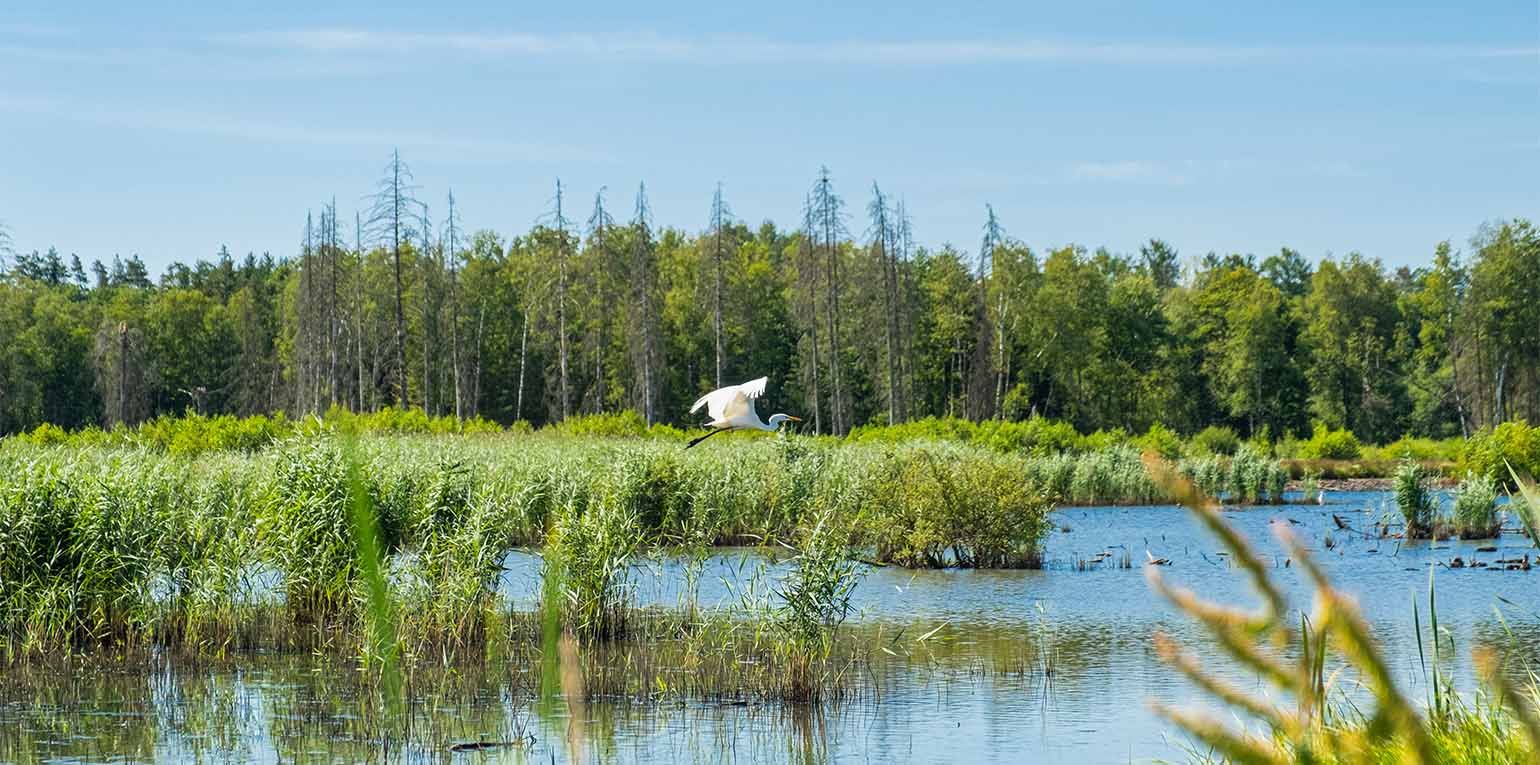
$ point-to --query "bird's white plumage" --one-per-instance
(733, 406)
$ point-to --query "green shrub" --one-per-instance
(1216, 440)
(625, 423)
(1421, 449)
(1208, 473)
(1105, 439)
(479, 425)
(1288, 447)
(931, 508)
(1002, 436)
(1045, 436)
(1161, 440)
(1248, 475)
(1515, 443)
(46, 434)
(1037, 436)
(1262, 440)
(403, 421)
(925, 429)
(813, 601)
(1327, 444)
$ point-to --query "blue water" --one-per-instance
(973, 689)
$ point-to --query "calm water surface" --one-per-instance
(974, 690)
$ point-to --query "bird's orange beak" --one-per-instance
(793, 419)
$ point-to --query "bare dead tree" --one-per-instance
(122, 375)
(721, 217)
(316, 328)
(557, 220)
(308, 333)
(333, 324)
(425, 264)
(390, 222)
(303, 382)
(644, 277)
(882, 241)
(475, 397)
(602, 271)
(990, 350)
(451, 246)
(808, 271)
(518, 407)
(828, 216)
(358, 308)
(904, 255)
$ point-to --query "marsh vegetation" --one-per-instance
(792, 572)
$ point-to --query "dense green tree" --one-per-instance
(1288, 271)
(1351, 316)
(1160, 262)
(188, 336)
(945, 335)
(553, 322)
(1501, 318)
(1431, 308)
(1071, 311)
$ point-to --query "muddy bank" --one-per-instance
(1361, 484)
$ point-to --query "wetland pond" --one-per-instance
(1050, 665)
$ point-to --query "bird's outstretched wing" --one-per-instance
(731, 401)
(741, 405)
(715, 402)
(754, 388)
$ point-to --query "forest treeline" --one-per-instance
(597, 308)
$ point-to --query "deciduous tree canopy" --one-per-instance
(851, 328)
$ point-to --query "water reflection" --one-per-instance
(1052, 665)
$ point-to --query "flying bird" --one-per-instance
(732, 408)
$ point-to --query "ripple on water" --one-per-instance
(978, 689)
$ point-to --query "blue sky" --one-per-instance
(168, 129)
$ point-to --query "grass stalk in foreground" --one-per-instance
(381, 646)
(1529, 507)
(1302, 727)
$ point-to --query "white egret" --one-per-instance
(732, 408)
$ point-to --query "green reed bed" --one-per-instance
(1473, 514)
(1475, 508)
(1414, 499)
(130, 547)
(223, 551)
(1116, 476)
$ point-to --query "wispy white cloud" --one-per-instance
(350, 40)
(225, 64)
(341, 44)
(258, 130)
(353, 40)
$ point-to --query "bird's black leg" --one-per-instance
(708, 435)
